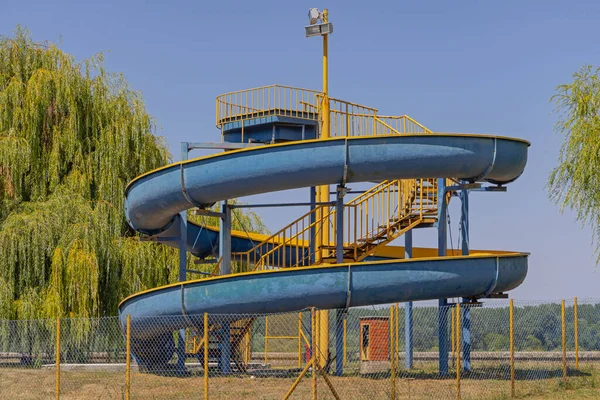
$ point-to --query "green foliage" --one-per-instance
(72, 136)
(574, 182)
(537, 327)
(532, 343)
(496, 342)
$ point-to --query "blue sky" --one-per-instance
(468, 67)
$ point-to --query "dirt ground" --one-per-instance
(40, 383)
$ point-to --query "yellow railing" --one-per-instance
(293, 239)
(264, 101)
(374, 218)
(346, 118)
(300, 338)
(402, 124)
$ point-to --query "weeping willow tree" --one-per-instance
(72, 136)
(574, 183)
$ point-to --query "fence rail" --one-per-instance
(496, 349)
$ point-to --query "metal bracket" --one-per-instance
(342, 191)
(492, 189)
(209, 213)
(475, 187)
(471, 303)
(206, 261)
(497, 296)
(158, 239)
(193, 271)
(463, 186)
(221, 146)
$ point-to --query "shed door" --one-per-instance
(364, 342)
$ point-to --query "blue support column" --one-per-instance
(408, 309)
(225, 268)
(466, 314)
(339, 254)
(225, 239)
(442, 303)
(225, 346)
(182, 244)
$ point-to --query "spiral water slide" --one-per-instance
(154, 201)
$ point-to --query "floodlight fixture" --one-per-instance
(318, 29)
(314, 15)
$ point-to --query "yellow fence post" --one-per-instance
(299, 340)
(452, 334)
(393, 351)
(205, 339)
(457, 348)
(315, 364)
(397, 318)
(57, 351)
(576, 333)
(564, 341)
(512, 348)
(128, 359)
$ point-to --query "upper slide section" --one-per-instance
(153, 200)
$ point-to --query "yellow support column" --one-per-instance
(392, 351)
(576, 333)
(205, 339)
(457, 347)
(128, 359)
(512, 348)
(57, 351)
(315, 352)
(323, 197)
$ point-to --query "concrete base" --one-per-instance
(374, 367)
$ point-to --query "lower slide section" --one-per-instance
(156, 313)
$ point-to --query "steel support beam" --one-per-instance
(225, 345)
(339, 255)
(408, 308)
(225, 268)
(442, 303)
(182, 245)
(466, 314)
(313, 204)
(225, 239)
(265, 205)
(219, 146)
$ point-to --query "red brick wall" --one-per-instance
(378, 339)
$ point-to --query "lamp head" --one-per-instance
(319, 24)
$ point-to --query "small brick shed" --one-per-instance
(374, 344)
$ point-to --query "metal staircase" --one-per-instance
(372, 219)
(239, 336)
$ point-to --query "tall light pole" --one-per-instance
(324, 28)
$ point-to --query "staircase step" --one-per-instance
(333, 247)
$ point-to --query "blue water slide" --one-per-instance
(154, 200)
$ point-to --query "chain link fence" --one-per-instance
(492, 349)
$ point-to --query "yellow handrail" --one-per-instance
(346, 118)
